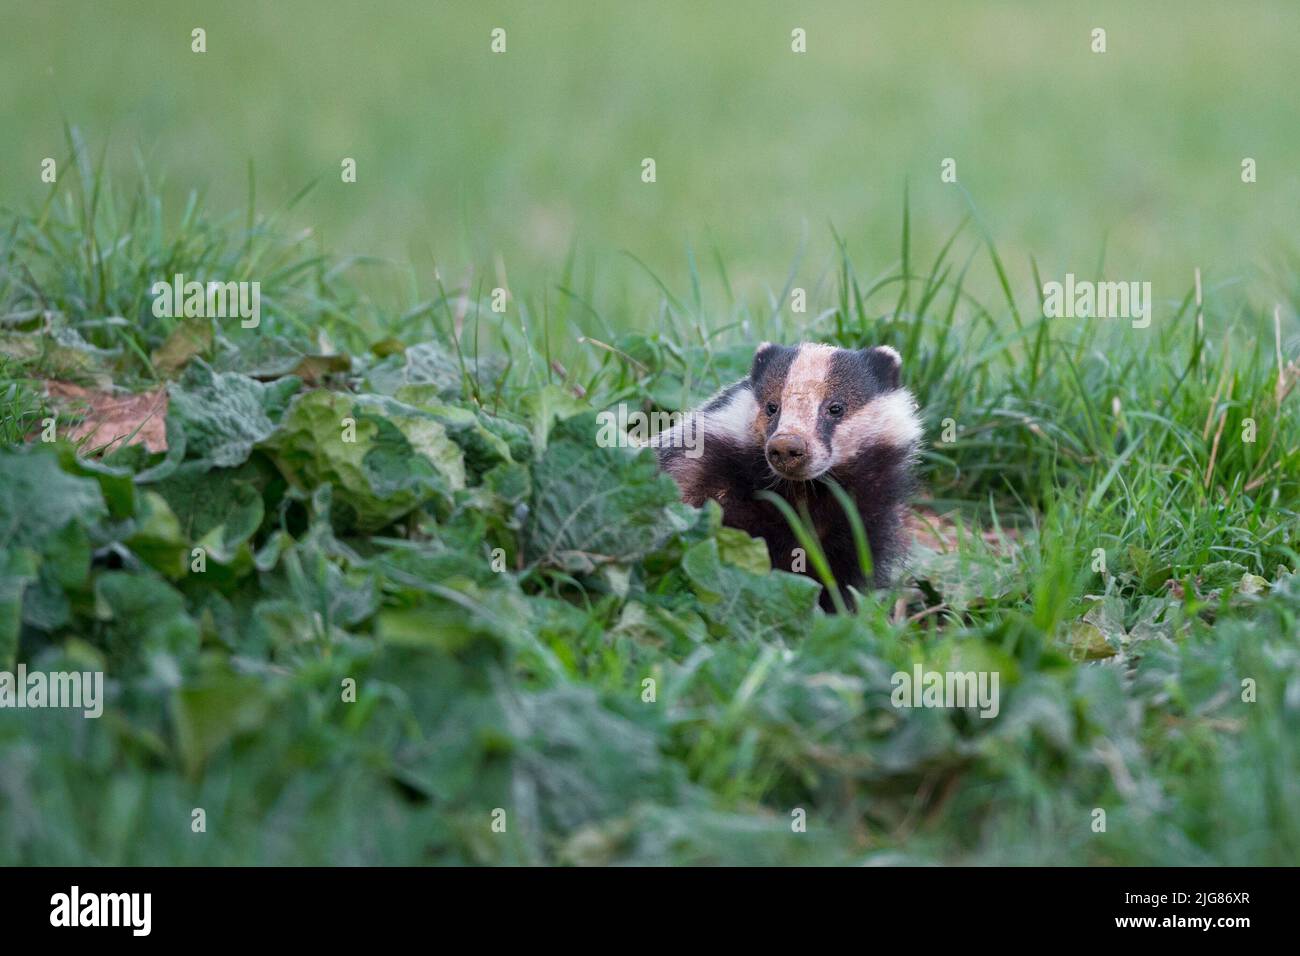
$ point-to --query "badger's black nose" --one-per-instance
(786, 451)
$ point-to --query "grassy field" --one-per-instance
(496, 587)
(483, 163)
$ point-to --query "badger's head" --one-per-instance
(819, 407)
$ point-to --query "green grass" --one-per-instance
(523, 689)
(482, 164)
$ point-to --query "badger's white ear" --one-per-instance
(885, 364)
(762, 355)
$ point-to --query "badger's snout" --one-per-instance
(788, 455)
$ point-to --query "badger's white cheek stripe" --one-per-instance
(734, 420)
(887, 420)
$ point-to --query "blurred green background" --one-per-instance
(522, 689)
(477, 161)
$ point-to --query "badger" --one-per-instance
(806, 413)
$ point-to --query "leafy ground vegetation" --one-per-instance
(208, 532)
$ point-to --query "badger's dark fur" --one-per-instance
(805, 413)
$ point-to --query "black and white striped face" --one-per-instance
(817, 407)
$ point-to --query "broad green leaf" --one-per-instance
(221, 506)
(594, 505)
(157, 537)
(224, 414)
(545, 406)
(748, 605)
(433, 364)
(737, 548)
(384, 459)
(37, 497)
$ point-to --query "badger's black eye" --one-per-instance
(771, 408)
(835, 409)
